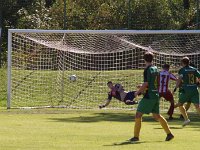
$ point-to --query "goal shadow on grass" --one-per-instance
(127, 117)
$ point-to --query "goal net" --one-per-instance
(41, 62)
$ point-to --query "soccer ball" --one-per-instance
(72, 78)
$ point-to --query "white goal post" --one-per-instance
(42, 62)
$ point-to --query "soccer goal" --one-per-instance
(57, 68)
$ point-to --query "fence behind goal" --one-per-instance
(40, 63)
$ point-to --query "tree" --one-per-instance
(186, 4)
(37, 17)
(97, 14)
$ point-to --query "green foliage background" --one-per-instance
(97, 14)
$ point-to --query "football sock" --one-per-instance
(138, 122)
(183, 112)
(164, 124)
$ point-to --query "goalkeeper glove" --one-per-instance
(101, 106)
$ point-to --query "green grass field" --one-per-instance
(67, 129)
(62, 129)
(3, 87)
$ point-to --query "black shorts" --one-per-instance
(130, 96)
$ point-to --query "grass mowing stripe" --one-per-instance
(53, 129)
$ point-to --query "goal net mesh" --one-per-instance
(42, 63)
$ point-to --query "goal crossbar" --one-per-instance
(106, 31)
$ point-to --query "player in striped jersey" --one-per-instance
(164, 77)
(118, 92)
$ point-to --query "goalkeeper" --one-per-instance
(118, 92)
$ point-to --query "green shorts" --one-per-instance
(189, 96)
(147, 106)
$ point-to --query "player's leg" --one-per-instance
(171, 110)
(182, 99)
(164, 125)
(144, 107)
(162, 120)
(187, 106)
(130, 102)
(197, 106)
(169, 97)
(137, 127)
(129, 99)
(184, 114)
(196, 101)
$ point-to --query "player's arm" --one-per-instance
(104, 105)
(198, 81)
(173, 77)
(198, 77)
(178, 83)
(141, 89)
(144, 86)
(107, 101)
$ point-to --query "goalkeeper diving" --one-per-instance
(117, 91)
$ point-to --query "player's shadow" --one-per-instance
(124, 143)
(126, 117)
(194, 117)
(131, 143)
(170, 128)
(98, 117)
